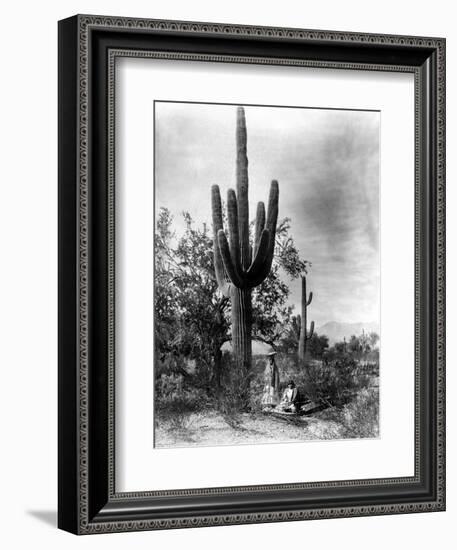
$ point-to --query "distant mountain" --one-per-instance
(336, 332)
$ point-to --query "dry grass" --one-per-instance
(357, 419)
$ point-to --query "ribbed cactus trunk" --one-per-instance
(304, 334)
(242, 326)
(241, 297)
(239, 267)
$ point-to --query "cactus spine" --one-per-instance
(305, 335)
(240, 267)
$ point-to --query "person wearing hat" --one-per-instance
(270, 396)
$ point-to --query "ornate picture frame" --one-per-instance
(88, 500)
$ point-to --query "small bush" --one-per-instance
(361, 416)
(333, 382)
(176, 413)
(175, 400)
(256, 393)
(357, 419)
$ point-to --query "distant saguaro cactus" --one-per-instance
(304, 334)
(239, 266)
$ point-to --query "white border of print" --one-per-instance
(138, 466)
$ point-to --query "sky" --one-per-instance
(327, 164)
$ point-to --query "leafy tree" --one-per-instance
(318, 345)
(286, 252)
(355, 345)
(167, 318)
(373, 338)
(271, 314)
(194, 324)
(360, 347)
(289, 341)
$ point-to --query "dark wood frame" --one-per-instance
(88, 502)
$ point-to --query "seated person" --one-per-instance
(290, 399)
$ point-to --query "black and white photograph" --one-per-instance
(225, 298)
(266, 274)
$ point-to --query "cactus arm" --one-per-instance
(259, 225)
(242, 186)
(219, 269)
(273, 202)
(311, 331)
(263, 269)
(216, 207)
(261, 256)
(232, 212)
(272, 220)
(296, 329)
(310, 299)
(227, 259)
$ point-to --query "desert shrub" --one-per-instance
(359, 418)
(369, 367)
(333, 382)
(176, 400)
(256, 392)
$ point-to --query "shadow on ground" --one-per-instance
(45, 516)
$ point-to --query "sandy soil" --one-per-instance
(211, 429)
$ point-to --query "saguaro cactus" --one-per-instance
(305, 335)
(240, 266)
